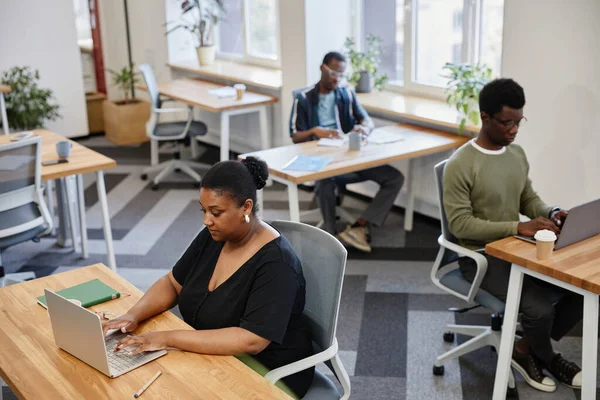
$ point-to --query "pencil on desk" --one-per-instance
(139, 392)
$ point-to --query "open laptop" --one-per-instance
(79, 332)
(581, 223)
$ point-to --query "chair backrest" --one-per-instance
(323, 261)
(151, 84)
(22, 206)
(439, 175)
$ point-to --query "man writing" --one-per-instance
(329, 110)
(486, 187)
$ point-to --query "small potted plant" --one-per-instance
(466, 81)
(364, 65)
(28, 106)
(125, 120)
(200, 17)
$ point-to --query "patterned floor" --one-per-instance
(391, 318)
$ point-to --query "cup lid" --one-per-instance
(239, 86)
(545, 235)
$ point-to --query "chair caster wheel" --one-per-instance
(154, 186)
(438, 371)
(144, 177)
(449, 337)
(493, 349)
(511, 393)
(177, 170)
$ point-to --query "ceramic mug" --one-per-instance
(64, 149)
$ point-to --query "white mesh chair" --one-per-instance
(446, 275)
(23, 213)
(175, 132)
(323, 262)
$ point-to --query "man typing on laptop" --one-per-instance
(486, 187)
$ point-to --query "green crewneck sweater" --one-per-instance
(484, 192)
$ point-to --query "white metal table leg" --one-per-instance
(225, 136)
(260, 201)
(294, 202)
(110, 253)
(264, 128)
(4, 117)
(410, 191)
(511, 311)
(590, 346)
(50, 196)
(82, 221)
(68, 184)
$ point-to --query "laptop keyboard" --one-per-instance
(123, 360)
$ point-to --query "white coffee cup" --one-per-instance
(240, 88)
(544, 242)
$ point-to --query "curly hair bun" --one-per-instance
(258, 169)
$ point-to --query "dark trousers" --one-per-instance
(390, 182)
(547, 311)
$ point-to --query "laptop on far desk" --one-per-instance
(581, 223)
(79, 332)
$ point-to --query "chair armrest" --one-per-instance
(300, 365)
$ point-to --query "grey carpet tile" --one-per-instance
(7, 394)
(382, 345)
(371, 387)
(441, 303)
(110, 181)
(98, 234)
(351, 312)
(137, 208)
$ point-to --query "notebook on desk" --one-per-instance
(89, 293)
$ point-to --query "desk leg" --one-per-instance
(260, 202)
(294, 202)
(50, 196)
(3, 112)
(110, 253)
(511, 311)
(82, 221)
(410, 202)
(590, 346)
(224, 136)
(68, 185)
(264, 128)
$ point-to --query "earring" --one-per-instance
(246, 218)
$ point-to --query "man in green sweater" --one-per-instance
(486, 187)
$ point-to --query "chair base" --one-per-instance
(167, 167)
(11, 279)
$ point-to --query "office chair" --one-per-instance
(446, 275)
(23, 213)
(175, 132)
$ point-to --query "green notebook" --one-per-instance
(89, 293)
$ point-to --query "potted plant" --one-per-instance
(466, 81)
(199, 17)
(364, 65)
(28, 106)
(125, 120)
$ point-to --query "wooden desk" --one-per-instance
(3, 117)
(417, 142)
(576, 268)
(195, 93)
(35, 368)
(413, 108)
(82, 160)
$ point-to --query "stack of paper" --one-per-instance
(383, 135)
(223, 92)
(331, 142)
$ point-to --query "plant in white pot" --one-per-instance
(364, 65)
(200, 17)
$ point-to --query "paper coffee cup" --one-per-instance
(544, 242)
(240, 88)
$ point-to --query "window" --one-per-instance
(420, 36)
(250, 31)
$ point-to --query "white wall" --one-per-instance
(42, 34)
(551, 48)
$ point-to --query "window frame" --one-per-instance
(246, 57)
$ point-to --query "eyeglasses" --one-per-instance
(509, 124)
(335, 74)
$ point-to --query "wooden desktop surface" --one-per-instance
(577, 264)
(5, 88)
(195, 92)
(268, 78)
(417, 142)
(413, 108)
(81, 161)
(35, 368)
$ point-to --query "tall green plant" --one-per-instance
(199, 17)
(125, 79)
(365, 62)
(28, 106)
(466, 81)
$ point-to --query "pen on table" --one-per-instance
(139, 392)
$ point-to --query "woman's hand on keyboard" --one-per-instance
(150, 341)
(125, 323)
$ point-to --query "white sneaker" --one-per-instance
(356, 237)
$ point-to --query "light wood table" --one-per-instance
(82, 160)
(417, 142)
(35, 368)
(195, 92)
(3, 117)
(575, 268)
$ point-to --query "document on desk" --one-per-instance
(383, 136)
(223, 92)
(331, 142)
(307, 163)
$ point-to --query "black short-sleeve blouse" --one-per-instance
(265, 295)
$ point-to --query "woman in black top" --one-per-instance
(239, 283)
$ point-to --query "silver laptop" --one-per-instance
(581, 223)
(79, 332)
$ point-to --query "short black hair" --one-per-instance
(333, 55)
(499, 93)
(237, 179)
